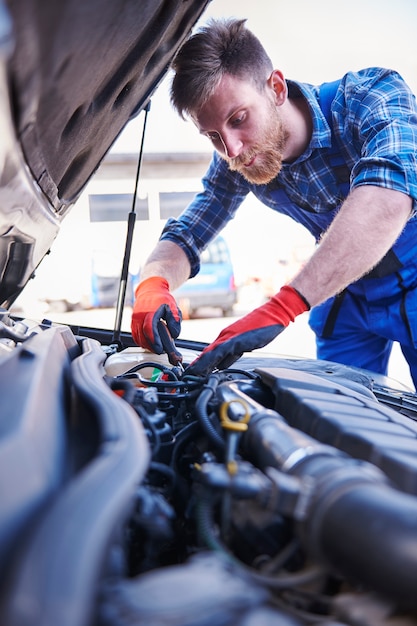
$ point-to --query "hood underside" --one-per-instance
(72, 75)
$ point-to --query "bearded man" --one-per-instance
(340, 159)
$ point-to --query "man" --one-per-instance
(351, 179)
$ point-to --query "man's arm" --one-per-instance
(165, 270)
(367, 225)
(168, 261)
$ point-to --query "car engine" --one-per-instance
(278, 491)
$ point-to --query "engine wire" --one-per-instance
(206, 525)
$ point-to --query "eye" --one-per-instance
(238, 119)
(213, 136)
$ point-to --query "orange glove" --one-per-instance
(255, 330)
(154, 302)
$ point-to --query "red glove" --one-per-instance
(154, 302)
(255, 330)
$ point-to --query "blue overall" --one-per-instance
(358, 326)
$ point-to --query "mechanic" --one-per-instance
(350, 179)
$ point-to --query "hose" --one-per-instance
(201, 405)
(354, 522)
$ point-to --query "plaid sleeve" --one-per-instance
(383, 115)
(209, 211)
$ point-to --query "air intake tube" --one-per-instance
(355, 523)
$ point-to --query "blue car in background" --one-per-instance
(214, 285)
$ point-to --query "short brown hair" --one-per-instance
(221, 47)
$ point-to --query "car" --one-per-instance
(105, 281)
(214, 285)
(278, 491)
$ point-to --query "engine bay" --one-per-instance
(277, 491)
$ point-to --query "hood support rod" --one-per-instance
(129, 240)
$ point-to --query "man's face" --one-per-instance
(245, 128)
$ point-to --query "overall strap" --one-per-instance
(326, 96)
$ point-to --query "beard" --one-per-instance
(268, 152)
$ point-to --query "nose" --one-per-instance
(232, 144)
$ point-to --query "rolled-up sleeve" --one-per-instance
(383, 116)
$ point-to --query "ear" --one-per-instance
(278, 85)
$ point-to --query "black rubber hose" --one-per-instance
(201, 406)
(369, 532)
(355, 522)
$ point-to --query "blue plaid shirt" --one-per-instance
(374, 116)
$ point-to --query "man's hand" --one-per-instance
(154, 302)
(255, 330)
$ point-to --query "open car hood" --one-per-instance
(72, 74)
